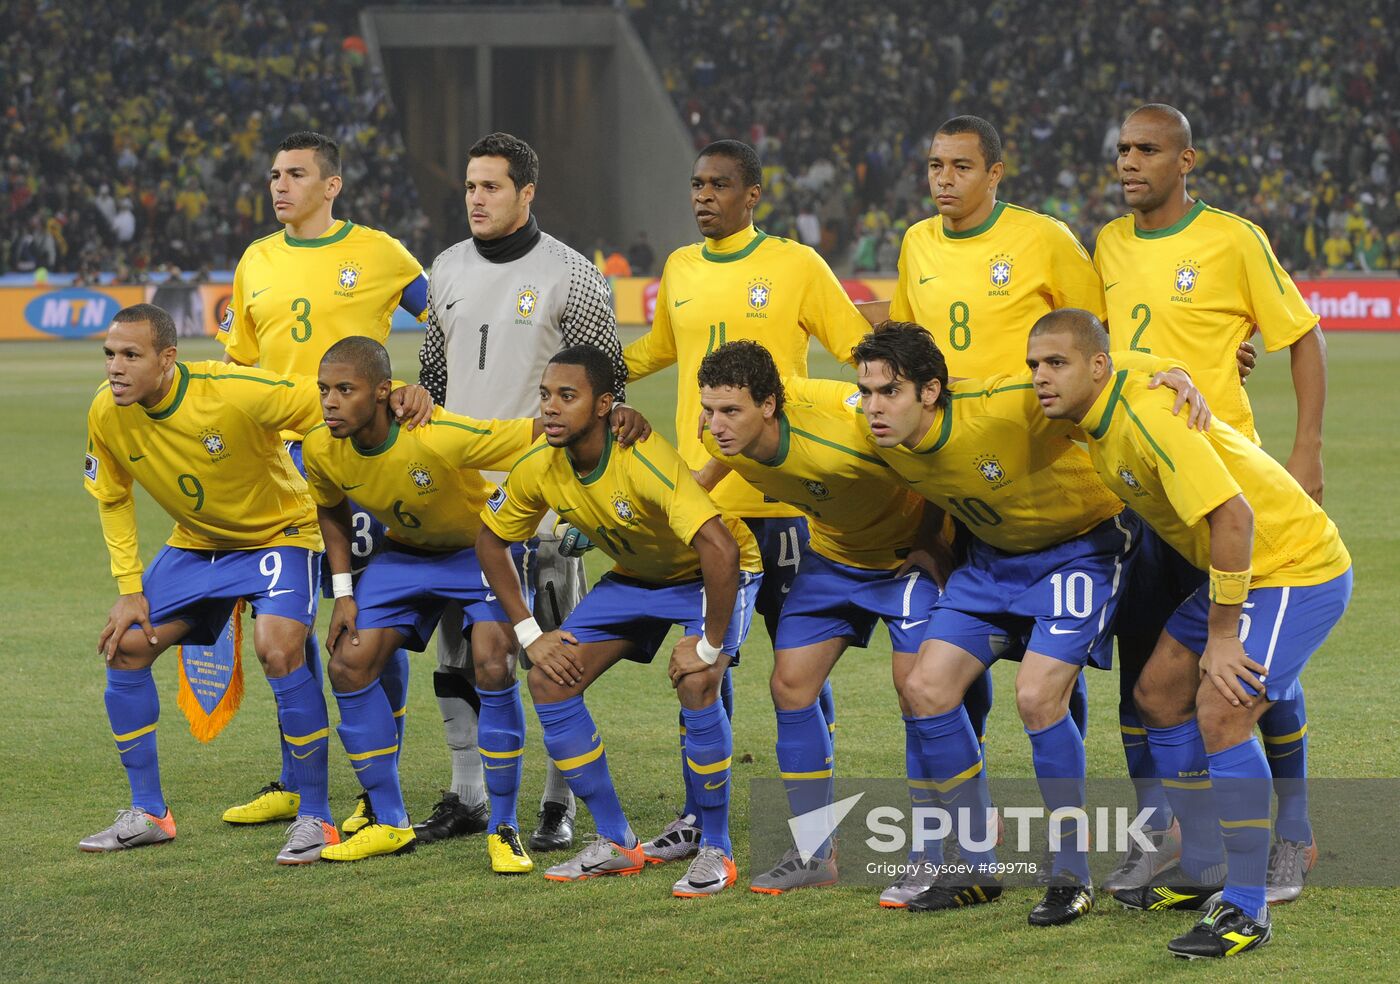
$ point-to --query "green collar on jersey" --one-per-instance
(380, 448)
(784, 439)
(1115, 393)
(1175, 227)
(182, 383)
(976, 230)
(602, 465)
(334, 237)
(759, 236)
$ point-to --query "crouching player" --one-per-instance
(202, 438)
(1279, 578)
(678, 561)
(423, 485)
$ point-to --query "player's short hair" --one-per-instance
(750, 168)
(1083, 327)
(522, 163)
(596, 366)
(369, 358)
(162, 324)
(1174, 117)
(327, 150)
(743, 365)
(987, 137)
(910, 352)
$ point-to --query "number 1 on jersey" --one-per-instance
(481, 361)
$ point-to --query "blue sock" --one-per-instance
(922, 792)
(726, 696)
(1180, 757)
(394, 679)
(367, 731)
(709, 753)
(1079, 706)
(726, 692)
(1058, 755)
(1240, 778)
(301, 711)
(500, 734)
(827, 701)
(312, 653)
(952, 757)
(978, 704)
(804, 761)
(1285, 730)
(573, 743)
(133, 708)
(1141, 769)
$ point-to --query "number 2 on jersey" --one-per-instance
(301, 331)
(1145, 313)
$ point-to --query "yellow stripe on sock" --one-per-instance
(1186, 784)
(682, 730)
(578, 761)
(487, 753)
(1125, 729)
(1233, 824)
(707, 770)
(948, 784)
(361, 756)
(401, 711)
(135, 734)
(831, 727)
(821, 774)
(1285, 739)
(307, 739)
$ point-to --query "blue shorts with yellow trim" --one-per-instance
(1059, 601)
(1160, 580)
(782, 543)
(642, 612)
(1280, 628)
(830, 600)
(366, 532)
(406, 589)
(201, 587)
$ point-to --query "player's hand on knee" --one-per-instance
(130, 609)
(628, 426)
(343, 623)
(685, 660)
(1229, 668)
(1246, 358)
(412, 405)
(554, 656)
(1198, 418)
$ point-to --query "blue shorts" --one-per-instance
(1059, 601)
(366, 532)
(202, 586)
(1160, 580)
(642, 612)
(782, 543)
(830, 600)
(406, 589)
(1279, 627)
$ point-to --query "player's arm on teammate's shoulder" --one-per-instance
(719, 569)
(412, 404)
(828, 314)
(1172, 374)
(931, 552)
(1224, 661)
(552, 653)
(1308, 358)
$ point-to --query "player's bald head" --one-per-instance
(1173, 119)
(1085, 330)
(366, 356)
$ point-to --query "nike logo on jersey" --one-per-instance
(686, 301)
(274, 594)
(1108, 287)
(351, 488)
(906, 625)
(448, 305)
(135, 457)
(1056, 630)
(263, 291)
(566, 509)
(924, 280)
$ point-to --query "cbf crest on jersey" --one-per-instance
(990, 469)
(1187, 273)
(526, 300)
(816, 489)
(623, 508)
(348, 278)
(760, 293)
(1125, 474)
(999, 270)
(213, 442)
(422, 478)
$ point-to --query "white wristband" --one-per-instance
(342, 585)
(527, 632)
(708, 654)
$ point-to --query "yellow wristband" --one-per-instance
(1229, 588)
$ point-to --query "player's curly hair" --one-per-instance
(327, 150)
(910, 352)
(522, 163)
(596, 366)
(750, 168)
(743, 365)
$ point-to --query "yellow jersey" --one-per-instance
(422, 484)
(210, 455)
(751, 286)
(1194, 291)
(860, 513)
(1173, 477)
(295, 298)
(640, 505)
(979, 291)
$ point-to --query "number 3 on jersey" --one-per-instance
(301, 331)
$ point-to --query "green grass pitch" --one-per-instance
(214, 906)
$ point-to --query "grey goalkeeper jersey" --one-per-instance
(492, 327)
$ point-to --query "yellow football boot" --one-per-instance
(360, 817)
(274, 803)
(372, 840)
(507, 856)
